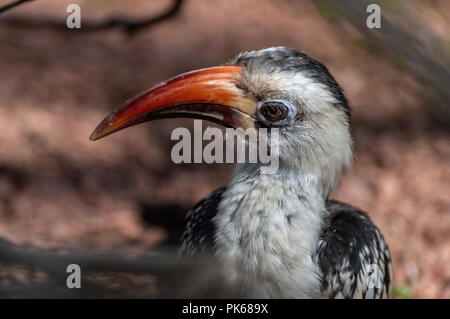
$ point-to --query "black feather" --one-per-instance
(347, 233)
(290, 60)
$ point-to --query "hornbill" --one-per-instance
(277, 234)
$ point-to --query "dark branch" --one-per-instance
(198, 277)
(12, 4)
(131, 26)
(128, 25)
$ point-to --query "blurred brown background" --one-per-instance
(58, 190)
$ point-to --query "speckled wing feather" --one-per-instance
(353, 256)
(198, 236)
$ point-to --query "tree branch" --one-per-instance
(198, 277)
(129, 26)
(12, 4)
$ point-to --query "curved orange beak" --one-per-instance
(210, 94)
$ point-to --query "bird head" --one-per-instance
(270, 88)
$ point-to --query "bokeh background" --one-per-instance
(61, 192)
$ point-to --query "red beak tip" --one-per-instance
(93, 137)
(210, 86)
(97, 134)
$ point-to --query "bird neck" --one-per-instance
(266, 222)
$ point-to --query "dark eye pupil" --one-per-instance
(274, 111)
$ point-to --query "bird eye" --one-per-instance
(276, 112)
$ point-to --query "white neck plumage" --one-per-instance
(269, 227)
